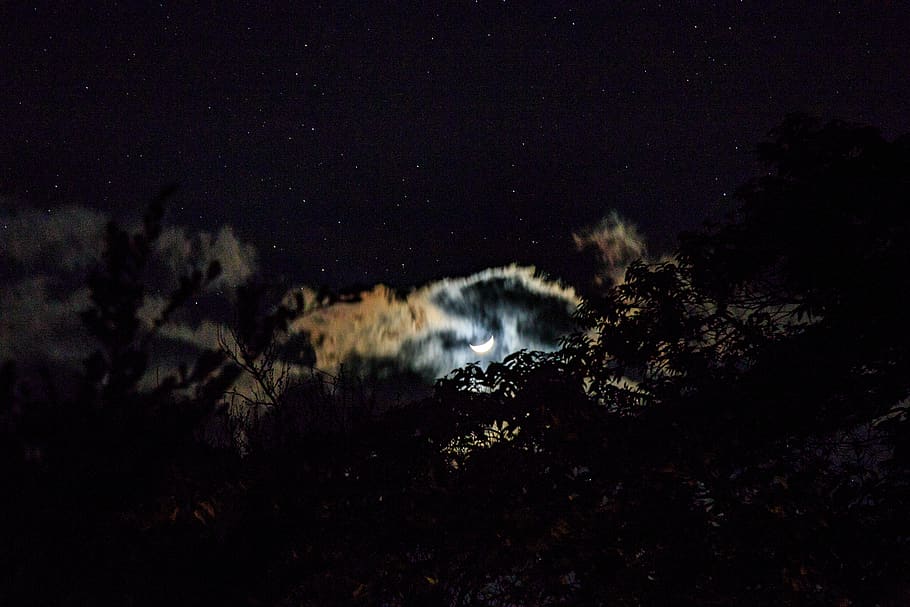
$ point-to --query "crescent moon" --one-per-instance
(484, 347)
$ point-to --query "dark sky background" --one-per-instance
(360, 144)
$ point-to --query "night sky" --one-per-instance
(362, 144)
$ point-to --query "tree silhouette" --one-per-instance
(117, 289)
(824, 233)
(729, 426)
(767, 350)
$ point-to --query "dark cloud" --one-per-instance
(59, 243)
(180, 249)
(46, 254)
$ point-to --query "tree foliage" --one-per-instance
(728, 426)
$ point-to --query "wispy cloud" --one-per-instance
(616, 242)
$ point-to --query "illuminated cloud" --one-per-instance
(428, 331)
(616, 242)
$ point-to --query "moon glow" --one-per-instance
(484, 347)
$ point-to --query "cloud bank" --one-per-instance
(45, 257)
(424, 333)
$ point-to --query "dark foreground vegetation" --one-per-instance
(727, 427)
